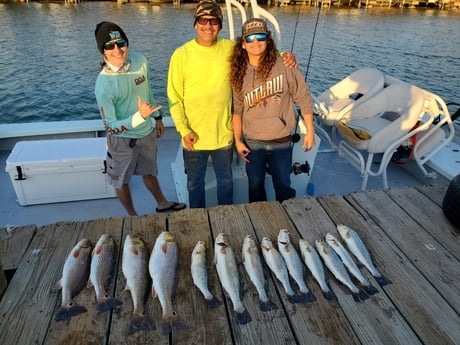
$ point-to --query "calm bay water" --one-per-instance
(49, 60)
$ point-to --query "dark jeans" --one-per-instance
(278, 158)
(196, 162)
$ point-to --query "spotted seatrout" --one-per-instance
(135, 269)
(102, 263)
(335, 265)
(294, 264)
(253, 264)
(347, 260)
(199, 269)
(75, 276)
(313, 262)
(359, 250)
(162, 268)
(276, 263)
(224, 259)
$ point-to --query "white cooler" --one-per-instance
(47, 171)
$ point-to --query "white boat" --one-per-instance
(330, 172)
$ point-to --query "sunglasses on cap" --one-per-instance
(204, 21)
(111, 45)
(260, 38)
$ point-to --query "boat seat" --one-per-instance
(344, 95)
(379, 125)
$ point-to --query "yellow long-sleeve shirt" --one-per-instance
(200, 94)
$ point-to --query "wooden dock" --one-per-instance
(412, 242)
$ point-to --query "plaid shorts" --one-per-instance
(127, 157)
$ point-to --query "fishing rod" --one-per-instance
(296, 136)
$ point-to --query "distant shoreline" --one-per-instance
(445, 5)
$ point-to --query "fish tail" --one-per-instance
(141, 322)
(71, 309)
(382, 280)
(108, 303)
(172, 324)
(308, 297)
(330, 296)
(293, 299)
(243, 317)
(359, 296)
(267, 305)
(370, 290)
(213, 302)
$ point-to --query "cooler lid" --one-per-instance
(56, 150)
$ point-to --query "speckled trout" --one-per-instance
(199, 269)
(276, 263)
(347, 260)
(252, 262)
(314, 264)
(224, 259)
(294, 264)
(335, 265)
(359, 250)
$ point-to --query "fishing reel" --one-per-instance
(301, 168)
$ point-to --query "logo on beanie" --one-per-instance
(114, 34)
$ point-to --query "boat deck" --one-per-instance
(412, 242)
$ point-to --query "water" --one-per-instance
(49, 60)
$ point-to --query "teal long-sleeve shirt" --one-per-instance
(116, 95)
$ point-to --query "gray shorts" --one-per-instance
(127, 157)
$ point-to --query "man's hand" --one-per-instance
(145, 108)
(190, 140)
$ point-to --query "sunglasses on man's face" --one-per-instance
(260, 38)
(204, 21)
(111, 45)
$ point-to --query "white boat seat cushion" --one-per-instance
(380, 121)
(352, 90)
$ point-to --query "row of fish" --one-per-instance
(285, 263)
(87, 266)
(94, 266)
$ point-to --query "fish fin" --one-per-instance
(90, 283)
(141, 323)
(359, 296)
(242, 318)
(173, 324)
(267, 305)
(58, 285)
(154, 293)
(330, 296)
(212, 302)
(107, 303)
(370, 290)
(356, 297)
(66, 312)
(382, 280)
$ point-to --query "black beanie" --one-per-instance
(107, 31)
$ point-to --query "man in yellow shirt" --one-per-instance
(200, 96)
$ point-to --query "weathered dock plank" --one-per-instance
(29, 303)
(394, 244)
(13, 245)
(429, 216)
(374, 320)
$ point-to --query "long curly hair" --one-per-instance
(239, 62)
